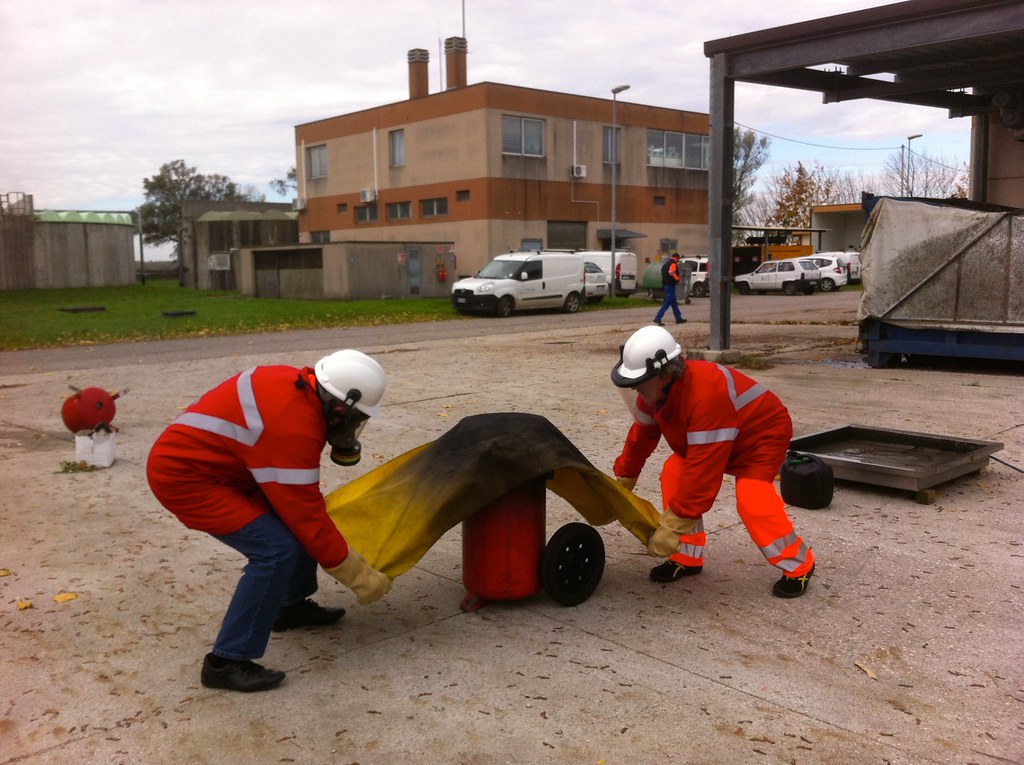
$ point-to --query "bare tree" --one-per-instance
(749, 153)
(913, 174)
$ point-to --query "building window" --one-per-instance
(528, 245)
(434, 208)
(366, 214)
(399, 210)
(396, 147)
(462, 195)
(522, 135)
(659, 201)
(319, 237)
(343, 207)
(316, 161)
(668, 149)
(606, 144)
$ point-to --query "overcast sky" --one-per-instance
(96, 96)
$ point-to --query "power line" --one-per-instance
(925, 157)
(819, 145)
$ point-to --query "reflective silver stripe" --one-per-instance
(786, 564)
(289, 476)
(693, 551)
(740, 401)
(247, 435)
(643, 418)
(696, 437)
(791, 564)
(780, 544)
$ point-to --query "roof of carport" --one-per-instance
(949, 54)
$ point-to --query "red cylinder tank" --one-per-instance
(502, 546)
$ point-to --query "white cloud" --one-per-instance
(98, 96)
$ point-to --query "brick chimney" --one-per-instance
(455, 62)
(418, 76)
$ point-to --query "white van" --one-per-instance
(698, 268)
(625, 267)
(520, 281)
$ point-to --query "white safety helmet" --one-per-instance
(644, 354)
(353, 377)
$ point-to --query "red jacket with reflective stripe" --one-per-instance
(718, 421)
(261, 432)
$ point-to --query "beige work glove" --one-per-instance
(627, 483)
(665, 539)
(367, 583)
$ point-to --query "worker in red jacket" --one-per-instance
(716, 421)
(243, 464)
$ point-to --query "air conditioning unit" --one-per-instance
(299, 204)
(578, 171)
(368, 195)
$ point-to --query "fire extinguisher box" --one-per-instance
(97, 448)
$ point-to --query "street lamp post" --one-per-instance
(906, 189)
(910, 165)
(614, 151)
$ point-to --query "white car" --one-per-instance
(698, 268)
(790, 276)
(595, 283)
(835, 270)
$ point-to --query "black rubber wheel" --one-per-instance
(789, 288)
(572, 303)
(699, 290)
(572, 564)
(743, 288)
(504, 308)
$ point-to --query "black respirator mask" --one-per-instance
(344, 424)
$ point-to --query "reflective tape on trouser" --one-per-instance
(788, 553)
(691, 546)
(764, 514)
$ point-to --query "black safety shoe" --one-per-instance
(306, 613)
(669, 571)
(238, 675)
(680, 321)
(659, 323)
(792, 586)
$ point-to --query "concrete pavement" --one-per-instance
(905, 649)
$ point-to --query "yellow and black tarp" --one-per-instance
(394, 514)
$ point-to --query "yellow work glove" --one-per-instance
(665, 539)
(367, 583)
(627, 483)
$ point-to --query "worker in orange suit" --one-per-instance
(243, 465)
(717, 421)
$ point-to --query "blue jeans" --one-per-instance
(669, 302)
(279, 572)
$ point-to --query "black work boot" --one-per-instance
(306, 613)
(792, 586)
(670, 571)
(238, 675)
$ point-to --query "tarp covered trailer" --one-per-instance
(941, 281)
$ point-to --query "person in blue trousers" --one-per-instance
(669, 281)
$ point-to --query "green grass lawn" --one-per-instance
(160, 309)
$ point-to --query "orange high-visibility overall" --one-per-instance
(717, 421)
(251, 445)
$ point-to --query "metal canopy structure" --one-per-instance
(964, 57)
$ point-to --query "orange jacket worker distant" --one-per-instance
(669, 281)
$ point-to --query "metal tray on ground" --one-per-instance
(898, 459)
